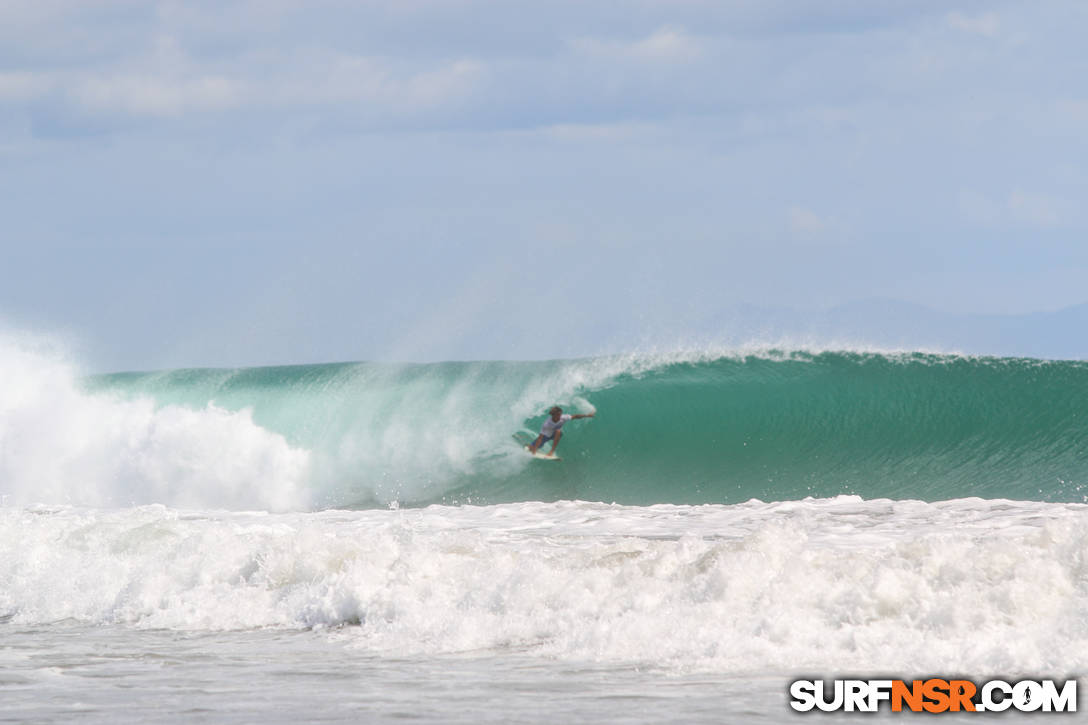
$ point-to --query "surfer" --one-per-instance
(552, 429)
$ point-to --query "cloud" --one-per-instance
(1025, 208)
(149, 95)
(1073, 109)
(667, 44)
(324, 78)
(1037, 209)
(170, 83)
(987, 24)
(623, 132)
(20, 86)
(806, 222)
(439, 65)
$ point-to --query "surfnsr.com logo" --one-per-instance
(933, 695)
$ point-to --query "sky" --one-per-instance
(240, 182)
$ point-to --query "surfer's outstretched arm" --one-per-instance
(583, 415)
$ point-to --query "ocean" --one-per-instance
(366, 542)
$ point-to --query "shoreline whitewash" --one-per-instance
(969, 585)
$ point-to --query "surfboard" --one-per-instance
(542, 456)
(526, 438)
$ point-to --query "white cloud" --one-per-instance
(622, 132)
(1020, 207)
(150, 95)
(987, 24)
(1037, 209)
(22, 86)
(806, 222)
(1073, 109)
(169, 83)
(666, 44)
(447, 82)
(669, 44)
(327, 78)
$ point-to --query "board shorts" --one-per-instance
(544, 439)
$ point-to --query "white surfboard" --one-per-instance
(525, 438)
(541, 455)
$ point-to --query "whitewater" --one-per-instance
(366, 541)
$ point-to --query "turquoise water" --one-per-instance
(773, 426)
(268, 543)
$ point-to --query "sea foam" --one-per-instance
(61, 444)
(987, 587)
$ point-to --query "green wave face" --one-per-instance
(707, 430)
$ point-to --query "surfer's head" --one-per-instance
(555, 412)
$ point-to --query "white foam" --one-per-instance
(59, 444)
(845, 584)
